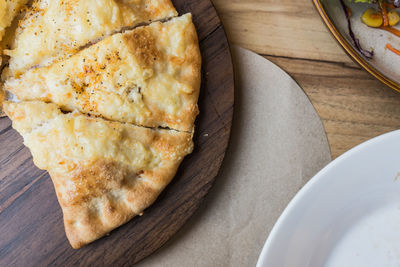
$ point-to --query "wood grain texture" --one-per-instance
(32, 232)
(353, 105)
(280, 28)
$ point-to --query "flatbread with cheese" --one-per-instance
(55, 29)
(104, 173)
(149, 76)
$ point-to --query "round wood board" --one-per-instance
(31, 225)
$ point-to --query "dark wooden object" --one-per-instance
(31, 226)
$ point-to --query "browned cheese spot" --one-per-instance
(143, 45)
(88, 182)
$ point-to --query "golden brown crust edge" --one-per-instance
(129, 193)
(193, 77)
(191, 74)
(2, 98)
(113, 211)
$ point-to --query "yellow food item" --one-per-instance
(104, 172)
(149, 76)
(393, 17)
(55, 29)
(9, 9)
(372, 18)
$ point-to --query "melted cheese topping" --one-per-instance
(56, 29)
(149, 76)
(61, 142)
(9, 9)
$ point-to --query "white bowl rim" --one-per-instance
(318, 178)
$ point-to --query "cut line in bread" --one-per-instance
(149, 76)
(53, 30)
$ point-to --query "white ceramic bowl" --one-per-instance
(347, 215)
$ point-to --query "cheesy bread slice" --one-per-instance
(9, 9)
(149, 76)
(104, 173)
(55, 29)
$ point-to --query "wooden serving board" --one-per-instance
(31, 226)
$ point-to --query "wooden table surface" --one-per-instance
(353, 105)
